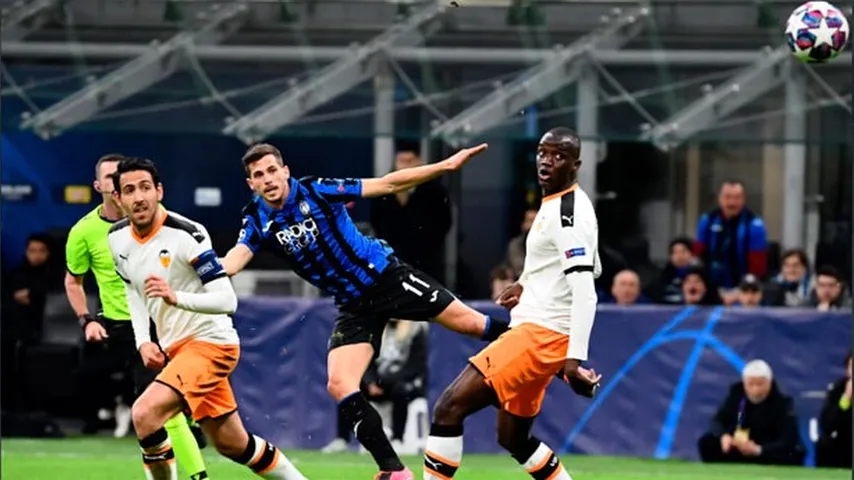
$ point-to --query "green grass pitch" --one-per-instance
(108, 459)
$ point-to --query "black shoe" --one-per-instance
(201, 440)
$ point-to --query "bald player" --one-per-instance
(552, 308)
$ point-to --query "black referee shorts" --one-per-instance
(121, 348)
(402, 292)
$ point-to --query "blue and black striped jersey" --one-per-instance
(314, 233)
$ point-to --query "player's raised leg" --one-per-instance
(157, 404)
(514, 434)
(231, 439)
(346, 366)
(468, 394)
(461, 318)
(183, 439)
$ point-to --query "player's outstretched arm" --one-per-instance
(236, 259)
(402, 180)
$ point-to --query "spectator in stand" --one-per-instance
(415, 222)
(626, 289)
(25, 295)
(749, 292)
(755, 424)
(696, 288)
(516, 247)
(830, 292)
(668, 287)
(501, 277)
(834, 445)
(29, 287)
(792, 286)
(731, 241)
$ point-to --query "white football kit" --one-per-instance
(179, 251)
(561, 263)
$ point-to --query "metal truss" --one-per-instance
(752, 82)
(560, 70)
(335, 79)
(156, 64)
(25, 17)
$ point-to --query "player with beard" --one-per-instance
(173, 276)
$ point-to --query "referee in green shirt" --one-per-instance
(87, 250)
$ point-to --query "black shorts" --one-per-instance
(122, 345)
(401, 292)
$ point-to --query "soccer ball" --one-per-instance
(816, 32)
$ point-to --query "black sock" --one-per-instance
(399, 414)
(344, 428)
(368, 426)
(494, 328)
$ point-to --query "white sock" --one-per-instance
(543, 463)
(444, 452)
(159, 462)
(269, 462)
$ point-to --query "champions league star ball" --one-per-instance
(816, 32)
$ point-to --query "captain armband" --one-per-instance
(208, 267)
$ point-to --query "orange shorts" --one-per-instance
(520, 365)
(199, 372)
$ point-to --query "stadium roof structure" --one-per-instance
(336, 78)
(752, 82)
(23, 18)
(159, 61)
(553, 73)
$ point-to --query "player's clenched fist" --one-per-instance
(152, 356)
(509, 297)
(156, 287)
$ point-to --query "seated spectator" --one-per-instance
(500, 278)
(749, 292)
(697, 290)
(668, 287)
(834, 444)
(398, 375)
(516, 247)
(829, 292)
(792, 286)
(626, 289)
(755, 424)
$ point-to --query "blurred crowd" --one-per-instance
(728, 262)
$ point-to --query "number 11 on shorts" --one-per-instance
(409, 287)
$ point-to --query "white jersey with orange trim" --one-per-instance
(179, 251)
(563, 240)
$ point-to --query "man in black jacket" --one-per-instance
(834, 445)
(755, 424)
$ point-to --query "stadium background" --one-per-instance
(715, 70)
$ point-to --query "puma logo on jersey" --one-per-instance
(567, 220)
